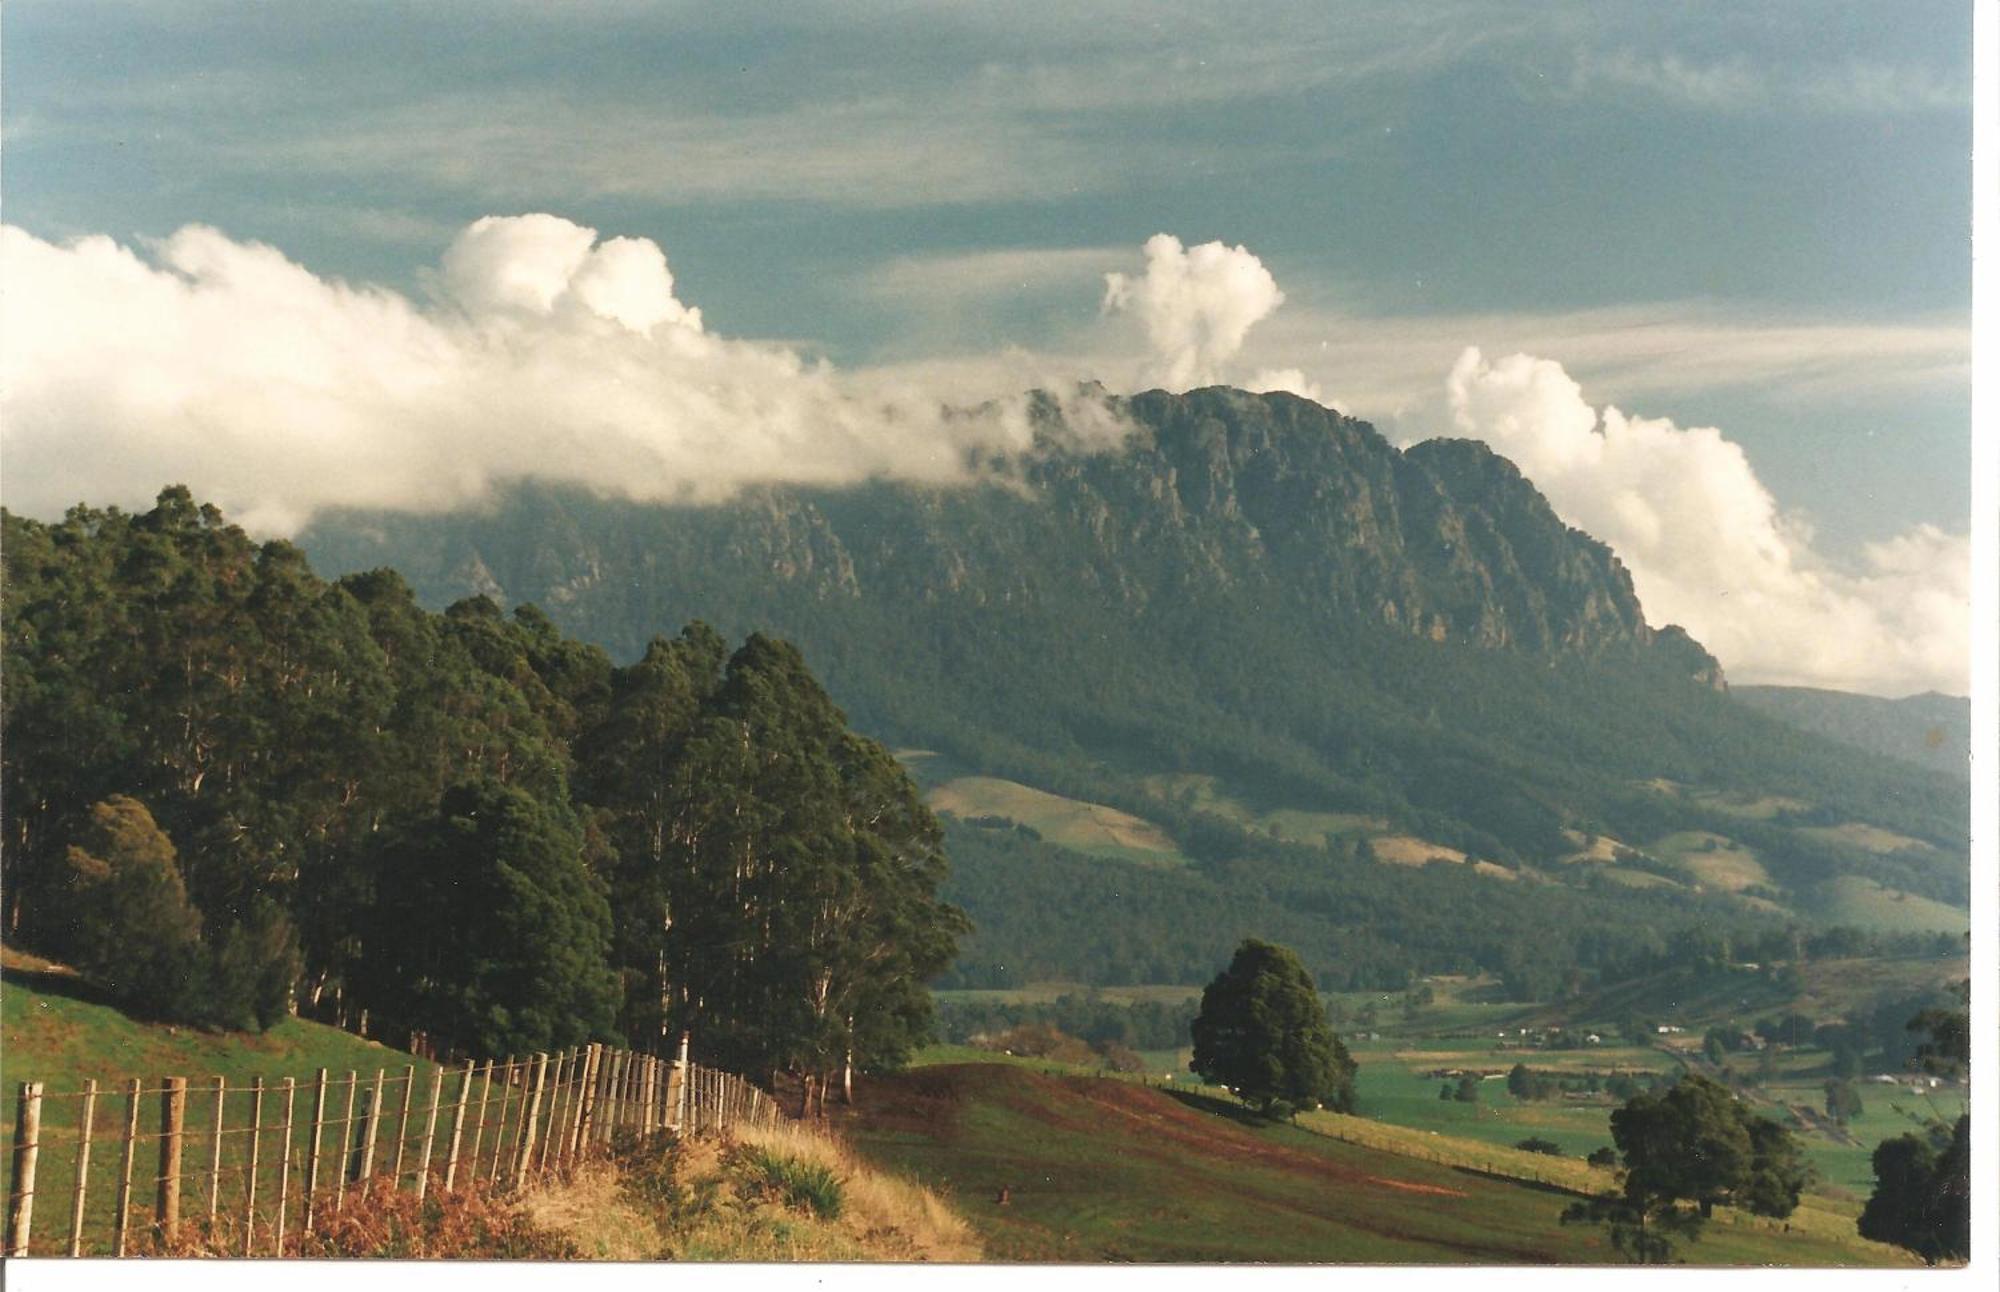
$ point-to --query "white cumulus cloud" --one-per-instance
(1709, 548)
(1196, 303)
(549, 353)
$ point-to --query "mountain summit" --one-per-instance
(1266, 499)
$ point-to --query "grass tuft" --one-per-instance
(809, 1186)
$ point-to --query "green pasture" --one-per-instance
(1095, 1170)
(1841, 1155)
(1718, 862)
(1851, 899)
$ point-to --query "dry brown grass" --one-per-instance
(474, 1223)
(1408, 850)
(718, 1199)
(891, 1218)
(593, 1210)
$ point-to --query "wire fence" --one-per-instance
(124, 1169)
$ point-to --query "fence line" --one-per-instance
(228, 1161)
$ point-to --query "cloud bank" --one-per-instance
(1709, 548)
(542, 350)
(546, 352)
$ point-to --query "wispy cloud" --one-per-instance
(973, 278)
(1740, 84)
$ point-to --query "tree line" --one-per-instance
(231, 788)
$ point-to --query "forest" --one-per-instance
(232, 788)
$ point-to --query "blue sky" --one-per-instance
(1753, 217)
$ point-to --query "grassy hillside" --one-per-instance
(1097, 1169)
(55, 1031)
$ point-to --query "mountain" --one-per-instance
(1263, 631)
(1930, 729)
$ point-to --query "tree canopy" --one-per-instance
(1264, 1034)
(1693, 1142)
(1696, 1142)
(464, 826)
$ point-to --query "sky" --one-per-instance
(1702, 270)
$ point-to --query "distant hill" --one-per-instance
(1930, 730)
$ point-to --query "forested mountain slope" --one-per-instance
(1930, 729)
(1253, 588)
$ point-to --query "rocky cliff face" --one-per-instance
(1262, 504)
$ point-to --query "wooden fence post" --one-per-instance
(173, 1115)
(370, 1120)
(430, 1132)
(677, 1086)
(607, 1096)
(284, 1167)
(479, 1127)
(403, 1127)
(586, 1099)
(548, 1135)
(215, 1151)
(27, 1149)
(312, 1151)
(572, 1095)
(250, 1177)
(526, 1146)
(125, 1167)
(83, 1128)
(347, 1144)
(458, 1126)
(500, 1128)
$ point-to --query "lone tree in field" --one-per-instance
(1263, 1033)
(1693, 1143)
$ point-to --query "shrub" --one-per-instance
(809, 1186)
(1536, 1144)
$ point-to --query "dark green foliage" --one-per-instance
(1604, 1156)
(488, 934)
(1922, 1198)
(1536, 1144)
(1843, 1101)
(1696, 1143)
(778, 874)
(1691, 1143)
(431, 817)
(130, 926)
(1526, 1085)
(808, 1186)
(1264, 1034)
(1467, 1090)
